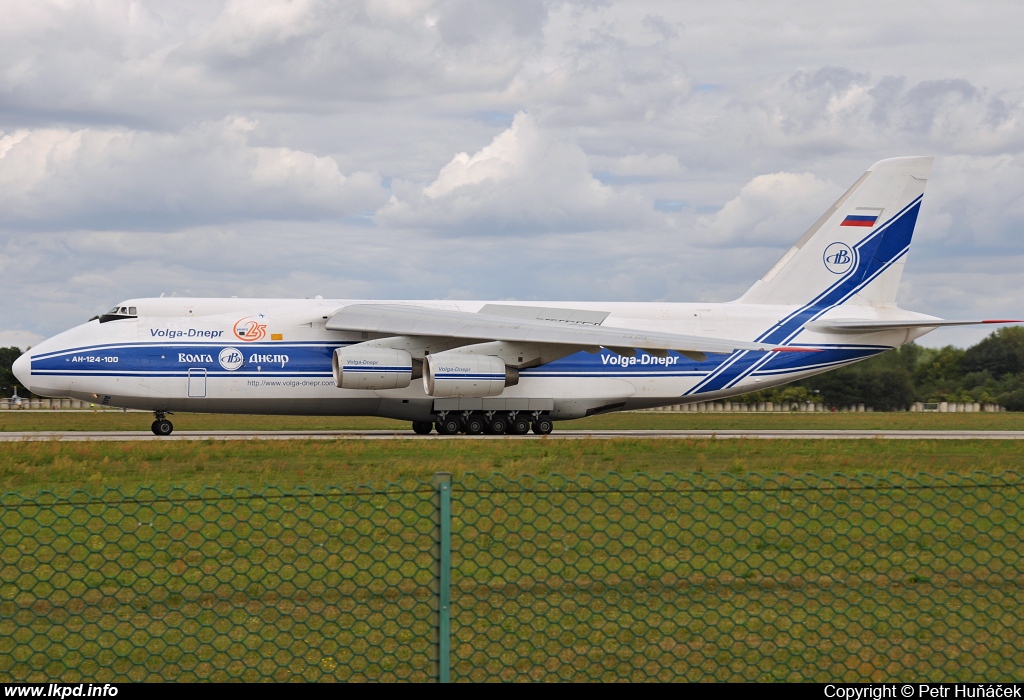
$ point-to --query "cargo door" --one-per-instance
(707, 319)
(197, 382)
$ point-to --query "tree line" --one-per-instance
(8, 383)
(990, 372)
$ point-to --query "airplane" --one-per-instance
(477, 367)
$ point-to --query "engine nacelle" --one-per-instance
(371, 368)
(449, 374)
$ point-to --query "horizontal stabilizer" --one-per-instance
(396, 319)
(862, 326)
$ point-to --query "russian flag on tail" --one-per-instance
(860, 220)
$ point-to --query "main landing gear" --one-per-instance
(487, 422)
(519, 425)
(448, 425)
(543, 426)
(161, 426)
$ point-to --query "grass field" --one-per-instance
(737, 579)
(116, 420)
(345, 463)
(30, 466)
(707, 577)
(728, 584)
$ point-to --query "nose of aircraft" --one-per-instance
(22, 369)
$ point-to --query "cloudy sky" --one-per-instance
(641, 150)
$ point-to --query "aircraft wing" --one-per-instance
(398, 319)
(863, 326)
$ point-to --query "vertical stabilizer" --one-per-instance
(854, 254)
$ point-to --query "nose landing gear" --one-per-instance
(161, 426)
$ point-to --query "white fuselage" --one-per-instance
(273, 356)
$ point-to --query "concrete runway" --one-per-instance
(130, 436)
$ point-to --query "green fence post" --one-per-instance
(443, 481)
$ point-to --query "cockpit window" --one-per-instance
(119, 312)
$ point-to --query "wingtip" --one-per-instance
(1003, 320)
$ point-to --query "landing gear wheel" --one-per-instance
(474, 424)
(448, 426)
(543, 426)
(519, 426)
(422, 427)
(498, 424)
(162, 427)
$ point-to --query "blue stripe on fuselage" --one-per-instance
(315, 361)
(305, 359)
(584, 364)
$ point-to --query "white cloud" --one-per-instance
(19, 339)
(526, 180)
(466, 22)
(170, 64)
(975, 203)
(250, 135)
(244, 29)
(601, 68)
(771, 210)
(835, 108)
(644, 165)
(109, 177)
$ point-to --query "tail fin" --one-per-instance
(856, 251)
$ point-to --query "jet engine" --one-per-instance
(371, 368)
(449, 374)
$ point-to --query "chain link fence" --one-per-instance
(640, 577)
(219, 586)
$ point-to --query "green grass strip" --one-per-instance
(117, 420)
(30, 466)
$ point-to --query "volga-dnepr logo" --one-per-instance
(230, 359)
(838, 258)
